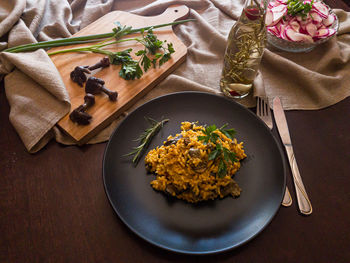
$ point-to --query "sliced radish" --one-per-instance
(278, 26)
(283, 33)
(311, 29)
(279, 9)
(321, 9)
(331, 31)
(297, 37)
(303, 23)
(329, 20)
(273, 4)
(282, 1)
(269, 18)
(299, 18)
(274, 31)
(316, 18)
(278, 12)
(294, 25)
(325, 32)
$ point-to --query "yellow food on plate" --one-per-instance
(197, 164)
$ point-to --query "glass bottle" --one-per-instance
(244, 50)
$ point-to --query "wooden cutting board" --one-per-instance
(129, 91)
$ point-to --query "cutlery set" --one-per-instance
(264, 112)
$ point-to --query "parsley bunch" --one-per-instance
(154, 51)
(152, 44)
(220, 152)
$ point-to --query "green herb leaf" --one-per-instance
(296, 7)
(229, 133)
(213, 154)
(118, 58)
(140, 52)
(203, 138)
(221, 153)
(232, 157)
(165, 58)
(209, 129)
(171, 48)
(222, 169)
(214, 137)
(226, 154)
(146, 63)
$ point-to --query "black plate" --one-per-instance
(208, 227)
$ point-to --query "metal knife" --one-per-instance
(281, 122)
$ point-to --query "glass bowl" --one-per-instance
(292, 46)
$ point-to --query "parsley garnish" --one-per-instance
(220, 153)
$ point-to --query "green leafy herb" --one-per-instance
(152, 44)
(228, 132)
(145, 138)
(220, 153)
(297, 7)
(130, 68)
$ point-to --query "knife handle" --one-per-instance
(302, 198)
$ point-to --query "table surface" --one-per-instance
(53, 207)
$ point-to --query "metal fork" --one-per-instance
(264, 112)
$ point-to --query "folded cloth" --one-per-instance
(38, 98)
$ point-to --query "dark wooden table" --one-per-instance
(53, 207)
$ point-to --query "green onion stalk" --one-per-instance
(116, 34)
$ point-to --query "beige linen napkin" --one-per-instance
(38, 98)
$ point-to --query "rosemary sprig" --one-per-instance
(145, 138)
(220, 152)
(117, 33)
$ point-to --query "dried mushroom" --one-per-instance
(79, 115)
(96, 86)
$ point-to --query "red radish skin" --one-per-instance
(329, 20)
(311, 29)
(278, 13)
(274, 31)
(316, 18)
(321, 9)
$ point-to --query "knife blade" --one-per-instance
(282, 126)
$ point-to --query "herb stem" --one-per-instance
(81, 49)
(145, 138)
(83, 39)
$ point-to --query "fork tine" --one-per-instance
(266, 106)
(263, 111)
